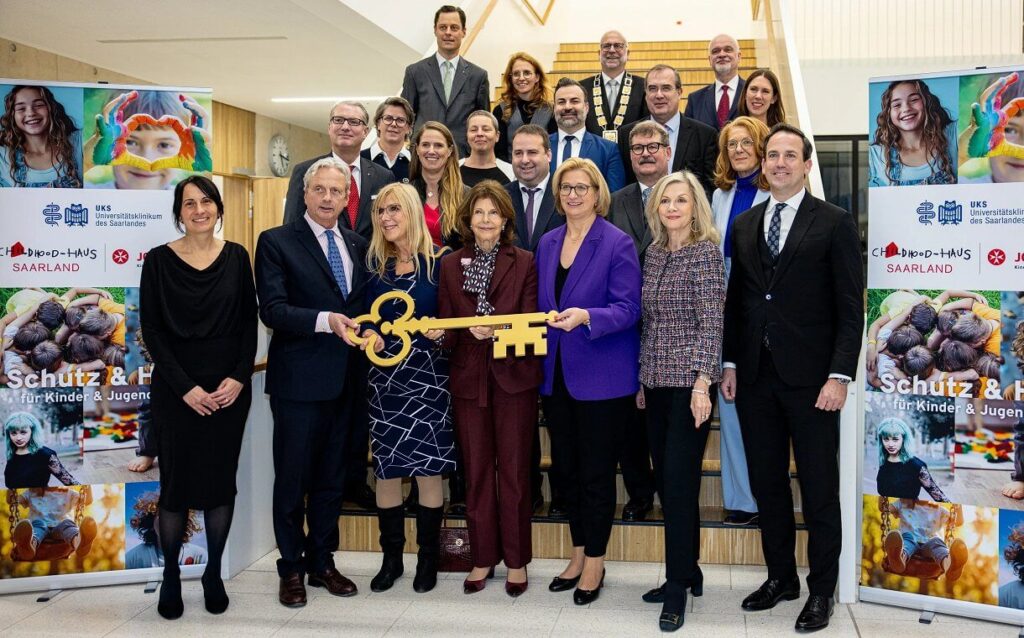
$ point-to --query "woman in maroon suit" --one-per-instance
(495, 400)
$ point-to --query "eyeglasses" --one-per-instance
(390, 119)
(580, 190)
(652, 148)
(391, 210)
(354, 122)
(746, 143)
(617, 46)
(523, 74)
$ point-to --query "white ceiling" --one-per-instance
(247, 51)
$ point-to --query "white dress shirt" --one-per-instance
(539, 195)
(577, 144)
(440, 64)
(606, 81)
(376, 151)
(322, 325)
(733, 85)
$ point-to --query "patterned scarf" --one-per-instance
(478, 274)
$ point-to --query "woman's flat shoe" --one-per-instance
(587, 596)
(475, 586)
(563, 584)
(670, 622)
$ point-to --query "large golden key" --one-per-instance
(510, 331)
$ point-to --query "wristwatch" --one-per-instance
(842, 381)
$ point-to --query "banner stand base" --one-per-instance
(151, 586)
(48, 596)
(926, 617)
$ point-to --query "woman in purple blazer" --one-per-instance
(588, 271)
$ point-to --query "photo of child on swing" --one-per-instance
(949, 339)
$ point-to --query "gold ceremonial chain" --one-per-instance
(620, 113)
(510, 331)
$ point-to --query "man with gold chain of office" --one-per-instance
(616, 98)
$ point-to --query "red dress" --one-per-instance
(433, 217)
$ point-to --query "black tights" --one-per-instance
(217, 522)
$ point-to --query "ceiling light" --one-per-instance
(328, 98)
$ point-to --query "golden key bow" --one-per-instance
(510, 331)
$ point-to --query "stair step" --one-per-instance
(668, 45)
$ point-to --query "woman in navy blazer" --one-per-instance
(588, 271)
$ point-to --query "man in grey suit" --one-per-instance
(446, 87)
(649, 154)
(347, 127)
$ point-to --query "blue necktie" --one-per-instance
(567, 150)
(774, 230)
(645, 193)
(336, 264)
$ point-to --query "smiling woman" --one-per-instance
(39, 141)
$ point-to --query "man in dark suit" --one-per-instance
(311, 279)
(794, 314)
(615, 97)
(447, 87)
(532, 199)
(716, 103)
(573, 140)
(347, 127)
(694, 145)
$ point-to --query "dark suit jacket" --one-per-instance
(547, 217)
(697, 151)
(295, 284)
(812, 308)
(601, 152)
(513, 290)
(627, 213)
(636, 108)
(424, 89)
(372, 178)
(701, 105)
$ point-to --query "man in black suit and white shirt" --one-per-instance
(616, 98)
(794, 315)
(694, 145)
(311, 279)
(532, 199)
(447, 87)
(347, 127)
(716, 103)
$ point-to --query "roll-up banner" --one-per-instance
(943, 480)
(87, 174)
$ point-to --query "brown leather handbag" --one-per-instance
(455, 551)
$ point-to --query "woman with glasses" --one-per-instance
(434, 172)
(588, 272)
(394, 120)
(526, 99)
(741, 185)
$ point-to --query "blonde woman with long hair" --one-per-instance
(434, 172)
(409, 404)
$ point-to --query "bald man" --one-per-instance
(715, 104)
(616, 98)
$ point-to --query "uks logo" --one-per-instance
(925, 213)
(76, 215)
(949, 213)
(51, 214)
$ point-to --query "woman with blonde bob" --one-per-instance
(409, 404)
(434, 172)
(741, 185)
(525, 100)
(680, 350)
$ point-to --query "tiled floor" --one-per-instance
(446, 611)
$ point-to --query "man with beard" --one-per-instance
(615, 97)
(573, 140)
(715, 104)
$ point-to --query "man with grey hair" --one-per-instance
(716, 104)
(616, 98)
(347, 127)
(311, 279)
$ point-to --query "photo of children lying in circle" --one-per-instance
(53, 334)
(61, 530)
(913, 132)
(1011, 553)
(143, 547)
(1012, 364)
(145, 140)
(948, 339)
(40, 137)
(991, 146)
(936, 549)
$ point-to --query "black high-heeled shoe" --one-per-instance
(587, 596)
(214, 596)
(697, 584)
(563, 584)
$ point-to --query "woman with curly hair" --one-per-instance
(1012, 593)
(526, 99)
(39, 141)
(915, 138)
(144, 523)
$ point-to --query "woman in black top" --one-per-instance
(525, 100)
(29, 462)
(197, 310)
(900, 473)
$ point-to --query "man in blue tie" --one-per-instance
(311, 278)
(573, 139)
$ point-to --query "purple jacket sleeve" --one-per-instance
(623, 309)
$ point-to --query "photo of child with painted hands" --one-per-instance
(992, 145)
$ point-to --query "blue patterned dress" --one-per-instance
(409, 404)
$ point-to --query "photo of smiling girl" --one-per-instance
(40, 141)
(900, 473)
(914, 139)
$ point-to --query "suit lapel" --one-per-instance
(312, 246)
(517, 207)
(750, 250)
(583, 257)
(368, 187)
(552, 257)
(801, 224)
(461, 73)
(710, 108)
(502, 266)
(683, 136)
(587, 145)
(434, 73)
(635, 211)
(547, 209)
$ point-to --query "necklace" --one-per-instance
(405, 260)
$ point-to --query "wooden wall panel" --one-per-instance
(233, 139)
(237, 213)
(268, 203)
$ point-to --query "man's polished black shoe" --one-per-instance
(362, 496)
(816, 613)
(770, 593)
(557, 509)
(636, 509)
(739, 518)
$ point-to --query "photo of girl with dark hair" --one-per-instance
(900, 473)
(914, 136)
(29, 462)
(40, 142)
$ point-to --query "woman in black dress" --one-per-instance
(197, 309)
